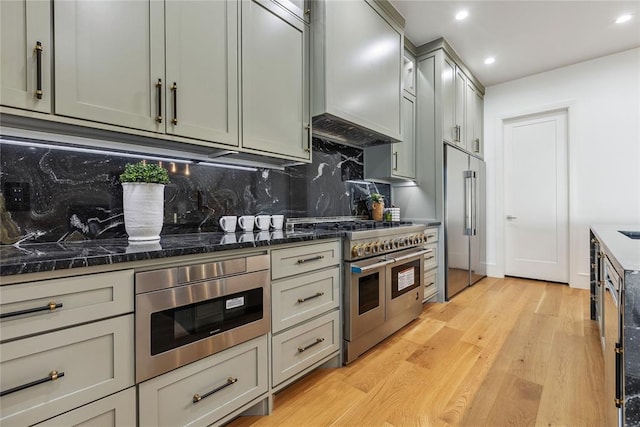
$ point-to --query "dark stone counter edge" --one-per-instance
(38, 258)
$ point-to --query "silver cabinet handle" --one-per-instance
(317, 341)
(510, 217)
(315, 258)
(197, 397)
(318, 294)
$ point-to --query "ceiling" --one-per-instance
(525, 37)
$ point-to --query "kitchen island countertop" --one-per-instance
(48, 257)
(625, 250)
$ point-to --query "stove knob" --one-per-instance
(405, 241)
(416, 239)
(387, 245)
(367, 249)
(382, 246)
(356, 251)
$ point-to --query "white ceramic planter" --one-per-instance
(143, 206)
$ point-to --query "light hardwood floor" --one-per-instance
(505, 352)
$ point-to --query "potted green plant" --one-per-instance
(377, 206)
(143, 200)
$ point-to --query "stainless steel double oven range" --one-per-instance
(383, 286)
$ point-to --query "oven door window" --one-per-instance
(368, 292)
(405, 277)
(179, 326)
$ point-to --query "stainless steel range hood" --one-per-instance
(336, 129)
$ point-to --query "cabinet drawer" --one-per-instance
(431, 258)
(81, 299)
(301, 298)
(431, 235)
(304, 259)
(430, 283)
(113, 411)
(168, 400)
(299, 348)
(96, 360)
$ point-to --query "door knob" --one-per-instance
(510, 217)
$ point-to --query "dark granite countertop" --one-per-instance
(625, 250)
(45, 257)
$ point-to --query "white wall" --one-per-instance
(603, 99)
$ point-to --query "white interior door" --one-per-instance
(536, 197)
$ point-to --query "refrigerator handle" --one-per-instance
(474, 205)
(468, 200)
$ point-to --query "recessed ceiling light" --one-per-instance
(623, 18)
(490, 60)
(461, 15)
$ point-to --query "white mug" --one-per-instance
(246, 237)
(263, 222)
(277, 221)
(246, 222)
(228, 223)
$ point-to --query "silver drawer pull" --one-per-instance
(318, 294)
(430, 284)
(315, 258)
(430, 257)
(430, 236)
(49, 307)
(197, 397)
(53, 375)
(318, 341)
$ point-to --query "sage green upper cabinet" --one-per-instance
(275, 81)
(201, 85)
(395, 161)
(474, 119)
(461, 105)
(109, 56)
(358, 61)
(25, 34)
(448, 101)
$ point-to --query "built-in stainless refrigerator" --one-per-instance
(464, 212)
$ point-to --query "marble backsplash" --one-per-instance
(69, 195)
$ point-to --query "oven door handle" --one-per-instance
(357, 269)
(413, 255)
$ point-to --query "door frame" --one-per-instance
(576, 278)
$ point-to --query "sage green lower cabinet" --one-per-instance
(300, 347)
(117, 410)
(171, 399)
(431, 263)
(305, 310)
(80, 365)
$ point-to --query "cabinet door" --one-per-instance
(116, 410)
(460, 106)
(470, 115)
(409, 73)
(448, 100)
(478, 124)
(109, 55)
(275, 81)
(25, 25)
(202, 70)
(404, 153)
(298, 7)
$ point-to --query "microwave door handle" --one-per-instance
(412, 255)
(357, 269)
